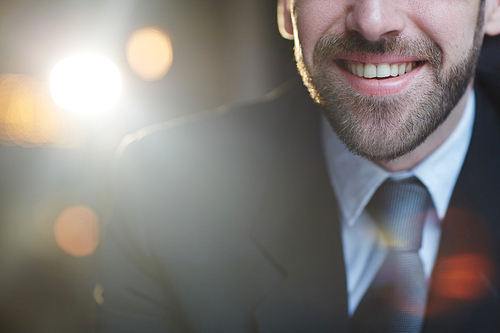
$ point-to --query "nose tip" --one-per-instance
(375, 18)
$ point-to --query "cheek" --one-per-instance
(451, 24)
(315, 18)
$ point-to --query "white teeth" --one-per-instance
(370, 71)
(402, 69)
(394, 70)
(353, 69)
(360, 70)
(409, 67)
(381, 70)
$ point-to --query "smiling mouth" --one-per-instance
(379, 71)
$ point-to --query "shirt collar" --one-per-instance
(355, 179)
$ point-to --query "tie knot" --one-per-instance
(399, 207)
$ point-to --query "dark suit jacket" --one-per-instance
(229, 224)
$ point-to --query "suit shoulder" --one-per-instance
(222, 123)
(197, 174)
(488, 82)
(221, 151)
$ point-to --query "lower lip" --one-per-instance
(381, 87)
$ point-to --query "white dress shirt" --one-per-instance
(355, 180)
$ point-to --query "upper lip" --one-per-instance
(377, 59)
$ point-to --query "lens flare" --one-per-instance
(462, 276)
(85, 83)
(77, 231)
(149, 53)
(29, 117)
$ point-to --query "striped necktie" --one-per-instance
(395, 301)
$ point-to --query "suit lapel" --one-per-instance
(464, 287)
(298, 231)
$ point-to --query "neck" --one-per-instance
(412, 159)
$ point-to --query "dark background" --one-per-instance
(225, 51)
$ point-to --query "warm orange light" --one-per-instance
(149, 53)
(28, 115)
(462, 276)
(77, 231)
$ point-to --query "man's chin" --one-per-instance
(380, 128)
(382, 153)
(378, 139)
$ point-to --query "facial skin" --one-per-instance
(388, 119)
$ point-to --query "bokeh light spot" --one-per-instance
(77, 231)
(97, 293)
(29, 117)
(85, 83)
(462, 276)
(149, 53)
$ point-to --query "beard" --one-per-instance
(385, 128)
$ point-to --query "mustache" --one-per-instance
(352, 42)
